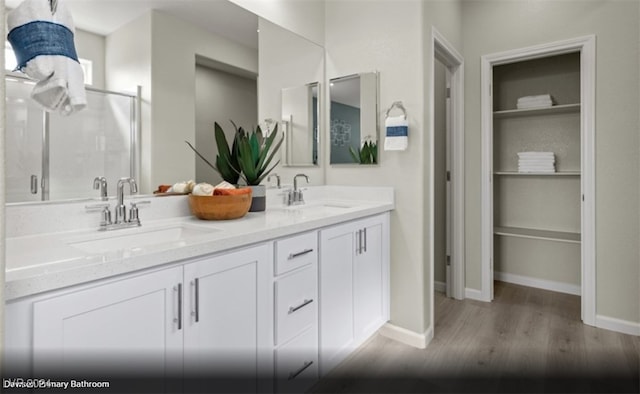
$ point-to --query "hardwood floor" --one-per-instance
(527, 340)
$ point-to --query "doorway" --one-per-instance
(221, 95)
(447, 164)
(442, 179)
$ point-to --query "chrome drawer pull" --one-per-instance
(295, 308)
(294, 255)
(178, 319)
(293, 375)
(197, 285)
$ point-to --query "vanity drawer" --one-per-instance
(297, 363)
(295, 304)
(296, 251)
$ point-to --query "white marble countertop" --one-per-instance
(43, 261)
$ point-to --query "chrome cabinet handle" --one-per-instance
(293, 375)
(358, 242)
(294, 255)
(34, 184)
(178, 319)
(197, 315)
(304, 303)
(365, 239)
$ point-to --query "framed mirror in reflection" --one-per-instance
(353, 125)
(300, 115)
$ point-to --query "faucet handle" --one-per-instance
(133, 211)
(100, 183)
(106, 214)
(96, 207)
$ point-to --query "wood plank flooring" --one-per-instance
(526, 341)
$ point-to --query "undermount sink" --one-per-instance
(140, 237)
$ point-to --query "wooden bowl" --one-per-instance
(220, 207)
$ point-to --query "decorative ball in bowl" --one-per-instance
(220, 207)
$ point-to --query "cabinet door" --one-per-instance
(368, 279)
(121, 329)
(228, 315)
(337, 251)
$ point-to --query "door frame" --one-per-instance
(454, 62)
(586, 46)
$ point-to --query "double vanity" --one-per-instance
(276, 299)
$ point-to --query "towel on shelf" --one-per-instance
(539, 101)
(397, 130)
(542, 162)
(45, 51)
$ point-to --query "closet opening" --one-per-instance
(538, 170)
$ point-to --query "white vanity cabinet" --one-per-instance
(354, 280)
(296, 312)
(227, 317)
(117, 327)
(209, 317)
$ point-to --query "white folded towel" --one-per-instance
(397, 131)
(537, 161)
(535, 154)
(45, 51)
(536, 170)
(539, 101)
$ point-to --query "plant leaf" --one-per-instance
(202, 157)
(246, 161)
(354, 155)
(273, 153)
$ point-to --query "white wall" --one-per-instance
(361, 38)
(304, 17)
(493, 26)
(91, 46)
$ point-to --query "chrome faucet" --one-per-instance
(278, 185)
(121, 209)
(101, 183)
(295, 197)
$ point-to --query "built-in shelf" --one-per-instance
(515, 173)
(556, 109)
(559, 236)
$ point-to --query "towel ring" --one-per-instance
(397, 104)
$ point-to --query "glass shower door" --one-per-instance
(24, 144)
(94, 142)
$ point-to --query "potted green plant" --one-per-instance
(255, 154)
(226, 159)
(248, 159)
(368, 154)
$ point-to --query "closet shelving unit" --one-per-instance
(540, 209)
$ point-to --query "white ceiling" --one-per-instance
(217, 16)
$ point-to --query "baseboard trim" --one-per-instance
(440, 287)
(618, 325)
(407, 337)
(559, 287)
(473, 294)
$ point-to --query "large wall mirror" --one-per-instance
(353, 126)
(189, 38)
